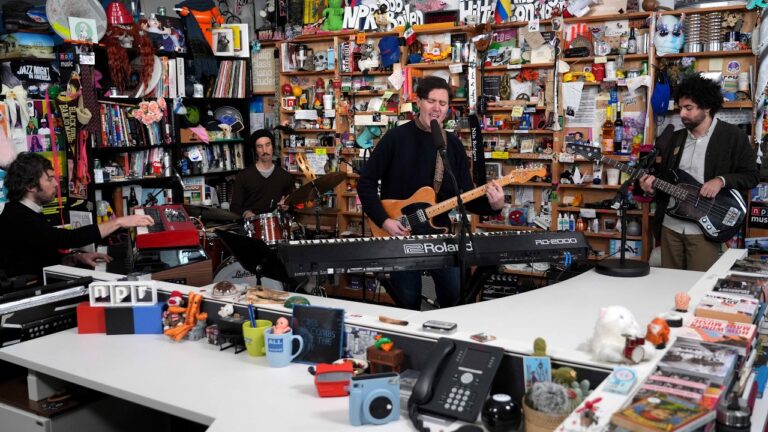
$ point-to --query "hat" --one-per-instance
(261, 133)
(389, 47)
(117, 13)
(175, 298)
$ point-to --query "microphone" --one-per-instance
(437, 136)
(178, 177)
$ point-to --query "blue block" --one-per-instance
(148, 319)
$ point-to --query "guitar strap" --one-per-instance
(439, 168)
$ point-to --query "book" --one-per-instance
(690, 388)
(661, 412)
(621, 380)
(711, 361)
(750, 266)
(728, 307)
(739, 286)
(761, 282)
(737, 335)
(322, 329)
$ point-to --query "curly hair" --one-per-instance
(704, 92)
(426, 85)
(24, 173)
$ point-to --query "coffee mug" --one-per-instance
(254, 337)
(613, 176)
(280, 347)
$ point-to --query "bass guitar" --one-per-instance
(416, 212)
(719, 218)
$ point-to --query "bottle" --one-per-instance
(571, 223)
(608, 132)
(618, 131)
(132, 201)
(632, 42)
(560, 222)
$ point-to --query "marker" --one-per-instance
(252, 316)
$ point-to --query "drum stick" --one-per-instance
(252, 316)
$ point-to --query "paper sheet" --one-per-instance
(584, 115)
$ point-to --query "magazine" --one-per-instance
(714, 362)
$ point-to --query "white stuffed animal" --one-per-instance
(227, 310)
(613, 325)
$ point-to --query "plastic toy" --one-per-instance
(669, 36)
(658, 333)
(333, 15)
(192, 315)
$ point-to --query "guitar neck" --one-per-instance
(659, 184)
(477, 192)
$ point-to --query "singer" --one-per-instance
(405, 160)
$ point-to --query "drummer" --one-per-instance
(262, 187)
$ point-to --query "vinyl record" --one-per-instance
(137, 66)
(227, 115)
(59, 11)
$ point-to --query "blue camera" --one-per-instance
(374, 399)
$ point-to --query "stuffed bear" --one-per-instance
(612, 327)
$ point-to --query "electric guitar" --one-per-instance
(719, 218)
(416, 212)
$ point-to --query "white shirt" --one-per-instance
(32, 205)
(692, 162)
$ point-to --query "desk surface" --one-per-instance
(196, 381)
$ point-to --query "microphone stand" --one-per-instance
(464, 230)
(623, 267)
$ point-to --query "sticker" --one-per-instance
(733, 66)
(533, 25)
(360, 38)
(483, 337)
(321, 151)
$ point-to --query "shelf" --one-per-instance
(166, 182)
(739, 53)
(518, 66)
(351, 213)
(129, 148)
(627, 57)
(601, 211)
(514, 132)
(437, 28)
(620, 158)
(511, 107)
(434, 65)
(599, 18)
(458, 100)
(591, 186)
(314, 130)
(264, 93)
(222, 141)
(322, 37)
(530, 156)
(504, 227)
(610, 235)
(367, 73)
(234, 171)
(731, 105)
(301, 73)
(516, 24)
(705, 9)
(311, 149)
(533, 184)
(367, 92)
(389, 113)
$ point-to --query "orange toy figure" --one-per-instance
(205, 19)
(192, 316)
(681, 301)
(658, 333)
(281, 326)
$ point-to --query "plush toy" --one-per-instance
(333, 15)
(281, 326)
(539, 347)
(369, 58)
(227, 310)
(613, 326)
(176, 299)
(658, 333)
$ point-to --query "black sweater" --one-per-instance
(255, 193)
(404, 161)
(31, 243)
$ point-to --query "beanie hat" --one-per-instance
(261, 133)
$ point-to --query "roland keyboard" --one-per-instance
(173, 228)
(370, 254)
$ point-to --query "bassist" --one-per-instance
(716, 154)
(404, 161)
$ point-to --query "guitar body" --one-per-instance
(719, 218)
(410, 212)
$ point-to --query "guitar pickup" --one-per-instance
(731, 217)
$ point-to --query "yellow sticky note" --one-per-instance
(321, 151)
(499, 155)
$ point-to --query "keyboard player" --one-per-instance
(29, 242)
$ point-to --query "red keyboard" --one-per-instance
(172, 229)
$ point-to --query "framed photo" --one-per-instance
(223, 42)
(167, 33)
(536, 369)
(82, 29)
(239, 39)
(527, 145)
(492, 170)
(609, 224)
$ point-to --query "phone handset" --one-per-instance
(422, 391)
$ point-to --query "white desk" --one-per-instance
(232, 392)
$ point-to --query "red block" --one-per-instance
(90, 319)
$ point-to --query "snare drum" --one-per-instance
(266, 227)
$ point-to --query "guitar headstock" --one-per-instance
(588, 151)
(522, 175)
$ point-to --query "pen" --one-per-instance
(252, 315)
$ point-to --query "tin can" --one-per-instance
(456, 52)
(598, 70)
(161, 10)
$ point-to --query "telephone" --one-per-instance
(456, 379)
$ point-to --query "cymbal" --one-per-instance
(211, 213)
(320, 185)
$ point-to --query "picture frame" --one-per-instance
(83, 29)
(223, 42)
(536, 369)
(609, 224)
(493, 170)
(527, 145)
(242, 47)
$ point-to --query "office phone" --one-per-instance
(456, 379)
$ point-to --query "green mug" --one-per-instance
(254, 337)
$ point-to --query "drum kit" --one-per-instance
(270, 228)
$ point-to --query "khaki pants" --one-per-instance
(687, 252)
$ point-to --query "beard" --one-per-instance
(693, 123)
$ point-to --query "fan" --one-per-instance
(59, 11)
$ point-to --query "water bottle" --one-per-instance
(167, 169)
(331, 58)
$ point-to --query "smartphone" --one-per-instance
(439, 326)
